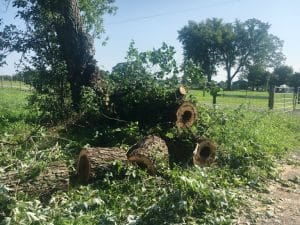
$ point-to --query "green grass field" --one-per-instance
(234, 98)
(14, 84)
(253, 99)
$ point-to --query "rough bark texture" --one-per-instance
(54, 178)
(204, 153)
(76, 46)
(148, 153)
(186, 115)
(94, 163)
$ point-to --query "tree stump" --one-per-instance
(94, 163)
(186, 115)
(149, 153)
(204, 153)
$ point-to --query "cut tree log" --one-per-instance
(149, 153)
(94, 163)
(54, 178)
(204, 153)
(181, 92)
(186, 115)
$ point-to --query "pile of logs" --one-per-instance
(152, 153)
(93, 163)
(149, 154)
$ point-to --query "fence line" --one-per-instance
(15, 84)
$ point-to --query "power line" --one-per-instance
(172, 12)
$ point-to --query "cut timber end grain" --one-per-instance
(93, 163)
(186, 115)
(204, 153)
(149, 153)
(181, 92)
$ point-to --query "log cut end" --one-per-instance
(186, 115)
(204, 153)
(83, 166)
(181, 92)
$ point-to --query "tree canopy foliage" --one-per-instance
(282, 74)
(57, 44)
(234, 46)
(257, 76)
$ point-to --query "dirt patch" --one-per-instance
(281, 202)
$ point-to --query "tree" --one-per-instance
(282, 74)
(199, 44)
(231, 45)
(257, 76)
(294, 81)
(240, 85)
(61, 32)
(192, 74)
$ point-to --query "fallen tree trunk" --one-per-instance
(154, 107)
(204, 153)
(54, 178)
(150, 153)
(94, 163)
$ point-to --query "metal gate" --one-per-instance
(285, 99)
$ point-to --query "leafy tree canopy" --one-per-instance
(282, 74)
(294, 81)
(234, 46)
(59, 37)
(257, 76)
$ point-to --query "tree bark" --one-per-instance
(76, 47)
(94, 163)
(150, 153)
(54, 178)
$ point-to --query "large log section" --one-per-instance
(149, 153)
(93, 163)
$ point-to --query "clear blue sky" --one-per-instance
(150, 22)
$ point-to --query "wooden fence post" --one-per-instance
(271, 96)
